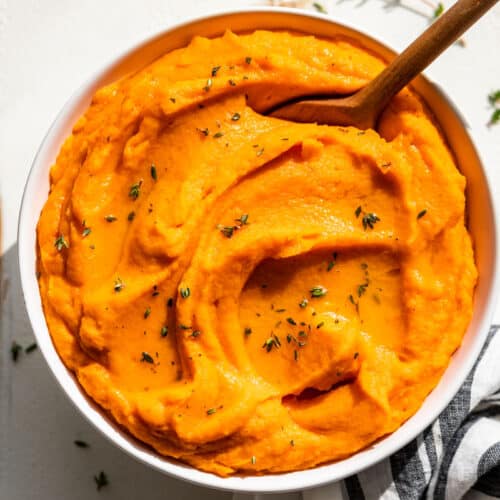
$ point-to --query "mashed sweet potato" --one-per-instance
(243, 293)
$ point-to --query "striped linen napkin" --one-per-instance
(457, 457)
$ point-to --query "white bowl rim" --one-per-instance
(274, 483)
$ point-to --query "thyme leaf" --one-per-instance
(61, 243)
(318, 291)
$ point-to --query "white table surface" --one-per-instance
(47, 48)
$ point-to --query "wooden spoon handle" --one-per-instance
(417, 56)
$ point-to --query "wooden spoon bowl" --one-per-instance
(363, 108)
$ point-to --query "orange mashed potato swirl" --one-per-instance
(246, 294)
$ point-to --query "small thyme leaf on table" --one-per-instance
(495, 117)
(101, 480)
(80, 443)
(32, 347)
(494, 98)
(15, 349)
(320, 8)
(438, 10)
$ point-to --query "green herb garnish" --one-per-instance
(320, 8)
(147, 312)
(362, 289)
(494, 98)
(438, 10)
(495, 117)
(272, 341)
(227, 231)
(154, 174)
(248, 330)
(118, 285)
(131, 216)
(135, 190)
(211, 411)
(208, 85)
(32, 347)
(101, 480)
(146, 358)
(215, 69)
(61, 243)
(110, 218)
(15, 349)
(354, 303)
(303, 303)
(248, 60)
(318, 291)
(235, 117)
(164, 331)
(421, 214)
(291, 321)
(369, 220)
(185, 292)
(243, 220)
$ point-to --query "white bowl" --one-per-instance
(481, 222)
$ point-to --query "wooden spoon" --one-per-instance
(362, 108)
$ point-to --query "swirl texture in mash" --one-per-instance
(243, 293)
